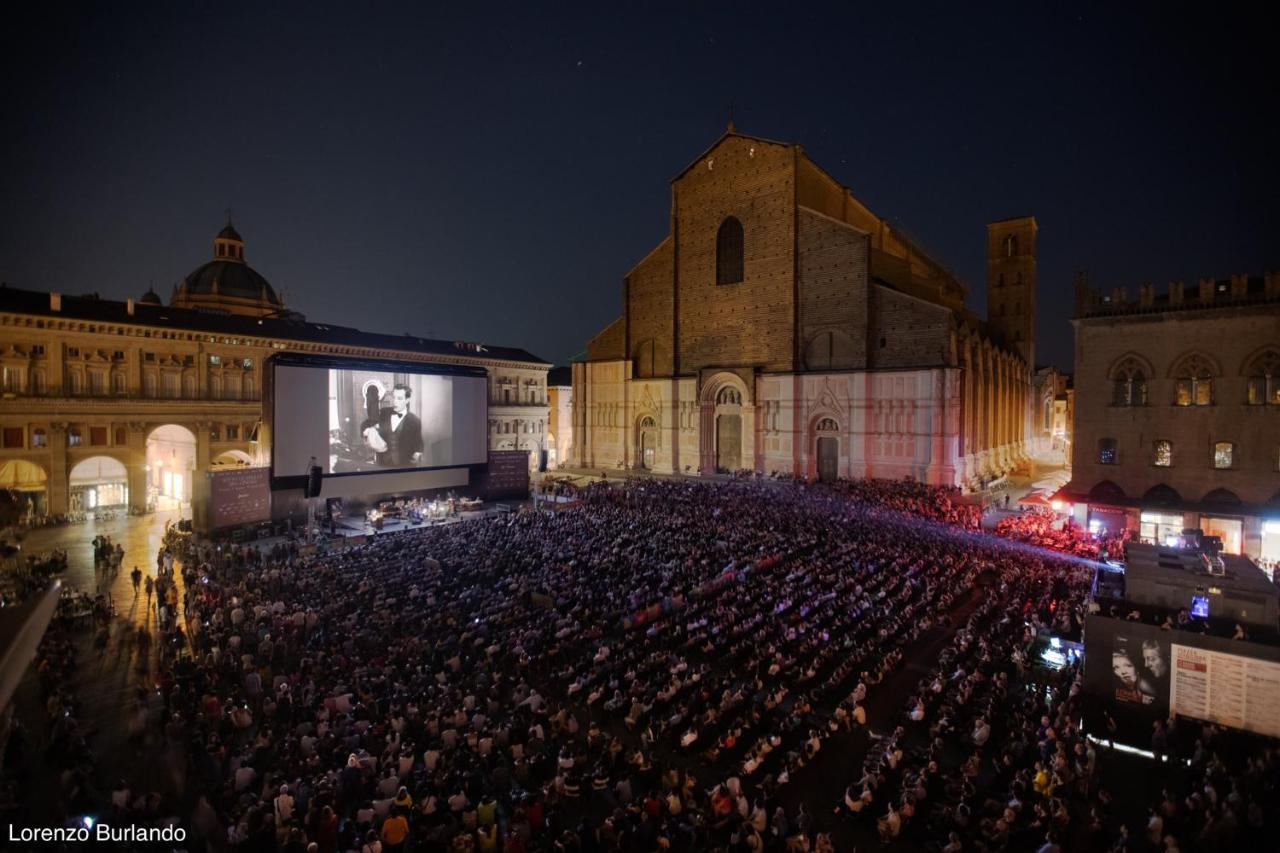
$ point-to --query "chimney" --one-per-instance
(1239, 286)
(1146, 294)
(1176, 289)
(1084, 297)
(55, 301)
(1206, 289)
(129, 306)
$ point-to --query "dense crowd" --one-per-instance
(1048, 529)
(669, 666)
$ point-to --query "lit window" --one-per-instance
(1163, 457)
(1194, 382)
(1106, 451)
(1128, 386)
(39, 438)
(1264, 380)
(73, 437)
(1223, 454)
(215, 359)
(248, 364)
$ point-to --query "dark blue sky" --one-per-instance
(477, 172)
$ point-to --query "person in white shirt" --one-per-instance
(284, 806)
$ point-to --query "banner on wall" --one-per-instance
(239, 496)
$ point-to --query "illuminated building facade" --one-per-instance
(1177, 411)
(781, 326)
(110, 404)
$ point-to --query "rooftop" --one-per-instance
(286, 327)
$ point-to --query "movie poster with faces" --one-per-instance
(1140, 671)
(1128, 663)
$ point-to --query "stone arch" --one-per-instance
(824, 440)
(232, 458)
(1262, 376)
(1195, 364)
(1163, 495)
(725, 436)
(1127, 363)
(171, 465)
(648, 439)
(716, 383)
(1265, 360)
(98, 482)
(643, 360)
(1106, 490)
(1222, 498)
(831, 349)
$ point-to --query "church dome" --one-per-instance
(150, 297)
(229, 278)
(227, 282)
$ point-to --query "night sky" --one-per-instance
(468, 171)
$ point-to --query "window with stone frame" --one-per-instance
(1224, 453)
(1263, 379)
(1128, 384)
(1162, 455)
(1193, 378)
(1107, 451)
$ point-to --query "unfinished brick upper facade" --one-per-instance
(823, 343)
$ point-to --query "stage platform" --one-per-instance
(358, 525)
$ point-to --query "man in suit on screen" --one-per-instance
(399, 432)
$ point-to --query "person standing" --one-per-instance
(399, 432)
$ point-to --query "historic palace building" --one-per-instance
(130, 404)
(1177, 411)
(781, 326)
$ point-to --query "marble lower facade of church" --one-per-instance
(894, 424)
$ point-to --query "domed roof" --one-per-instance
(230, 278)
(227, 282)
(150, 297)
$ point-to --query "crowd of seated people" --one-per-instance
(939, 503)
(524, 682)
(655, 670)
(1047, 529)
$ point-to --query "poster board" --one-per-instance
(1231, 690)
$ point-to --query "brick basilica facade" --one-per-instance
(781, 326)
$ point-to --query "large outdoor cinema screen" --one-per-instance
(360, 417)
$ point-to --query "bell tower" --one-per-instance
(1011, 285)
